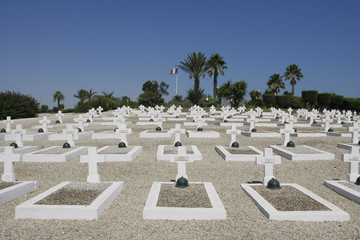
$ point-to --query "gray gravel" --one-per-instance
(123, 219)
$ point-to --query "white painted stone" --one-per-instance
(353, 158)
(287, 153)
(333, 214)
(161, 156)
(177, 131)
(151, 211)
(227, 156)
(37, 156)
(354, 129)
(8, 123)
(30, 209)
(133, 152)
(287, 131)
(9, 158)
(268, 160)
(343, 190)
(45, 121)
(233, 132)
(92, 159)
(17, 190)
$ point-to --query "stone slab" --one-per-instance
(37, 156)
(286, 152)
(343, 190)
(161, 156)
(17, 190)
(227, 156)
(21, 150)
(151, 211)
(334, 213)
(106, 135)
(126, 157)
(30, 209)
(202, 134)
(152, 134)
(261, 134)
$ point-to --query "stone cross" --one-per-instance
(9, 158)
(354, 129)
(119, 120)
(287, 131)
(18, 129)
(233, 133)
(353, 158)
(93, 158)
(8, 122)
(123, 131)
(45, 121)
(19, 139)
(71, 136)
(181, 159)
(252, 120)
(177, 131)
(348, 115)
(69, 129)
(291, 121)
(59, 115)
(338, 116)
(268, 160)
(92, 112)
(212, 110)
(200, 121)
(327, 122)
(80, 120)
(99, 110)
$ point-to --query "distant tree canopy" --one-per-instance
(234, 92)
(153, 93)
(17, 105)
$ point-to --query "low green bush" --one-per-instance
(17, 105)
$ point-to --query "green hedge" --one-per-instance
(309, 97)
(282, 101)
(17, 105)
(324, 100)
(269, 100)
(352, 104)
(336, 101)
(294, 102)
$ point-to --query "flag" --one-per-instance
(174, 71)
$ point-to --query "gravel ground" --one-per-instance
(123, 219)
(6, 184)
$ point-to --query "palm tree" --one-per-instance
(293, 72)
(216, 65)
(274, 83)
(90, 96)
(58, 96)
(195, 66)
(82, 95)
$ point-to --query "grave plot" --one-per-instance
(289, 201)
(183, 200)
(120, 154)
(354, 130)
(9, 187)
(302, 152)
(21, 150)
(77, 200)
(293, 202)
(157, 133)
(351, 187)
(200, 133)
(234, 152)
(260, 133)
(54, 154)
(82, 201)
(64, 136)
(118, 133)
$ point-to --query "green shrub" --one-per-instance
(269, 100)
(336, 101)
(69, 110)
(294, 102)
(44, 109)
(309, 97)
(195, 95)
(177, 100)
(17, 105)
(282, 101)
(324, 100)
(352, 104)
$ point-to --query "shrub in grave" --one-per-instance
(336, 101)
(269, 100)
(294, 102)
(310, 97)
(282, 101)
(352, 104)
(324, 100)
(17, 105)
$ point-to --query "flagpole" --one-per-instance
(176, 84)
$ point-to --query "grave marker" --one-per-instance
(123, 131)
(9, 158)
(287, 131)
(8, 122)
(233, 132)
(45, 121)
(93, 159)
(354, 159)
(268, 160)
(177, 131)
(59, 116)
(354, 129)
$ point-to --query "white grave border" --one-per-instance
(30, 209)
(335, 213)
(160, 156)
(322, 155)
(227, 156)
(17, 190)
(343, 190)
(63, 157)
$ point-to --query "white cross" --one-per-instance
(200, 121)
(59, 115)
(287, 131)
(9, 158)
(45, 121)
(181, 159)
(80, 120)
(93, 158)
(99, 109)
(69, 129)
(353, 158)
(252, 121)
(123, 131)
(177, 130)
(291, 121)
(348, 115)
(354, 129)
(327, 122)
(71, 136)
(18, 129)
(233, 133)
(268, 160)
(8, 122)
(338, 118)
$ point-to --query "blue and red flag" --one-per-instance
(174, 71)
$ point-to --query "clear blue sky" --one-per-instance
(67, 45)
